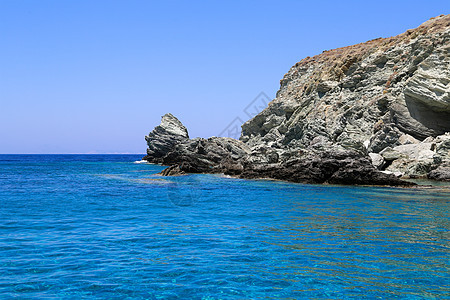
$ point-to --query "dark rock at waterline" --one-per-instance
(339, 117)
(169, 144)
(164, 137)
(384, 96)
(174, 170)
(233, 157)
(345, 167)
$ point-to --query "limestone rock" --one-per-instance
(174, 170)
(405, 139)
(396, 174)
(164, 137)
(390, 154)
(377, 160)
(385, 103)
(169, 144)
(441, 173)
(384, 96)
(416, 151)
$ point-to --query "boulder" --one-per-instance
(390, 154)
(419, 151)
(164, 138)
(441, 173)
(377, 160)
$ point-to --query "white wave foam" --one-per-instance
(141, 162)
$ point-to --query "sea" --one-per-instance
(108, 227)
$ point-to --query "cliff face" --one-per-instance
(353, 115)
(384, 96)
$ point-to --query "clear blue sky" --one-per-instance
(96, 76)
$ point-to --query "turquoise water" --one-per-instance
(102, 226)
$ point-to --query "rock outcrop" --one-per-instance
(173, 170)
(353, 115)
(164, 137)
(233, 157)
(386, 98)
(169, 144)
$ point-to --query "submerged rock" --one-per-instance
(174, 170)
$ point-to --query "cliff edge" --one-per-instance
(386, 98)
(355, 115)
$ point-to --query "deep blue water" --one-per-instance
(101, 226)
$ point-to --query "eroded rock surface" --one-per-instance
(382, 98)
(353, 115)
(164, 137)
(233, 157)
(169, 144)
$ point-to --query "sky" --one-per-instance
(96, 76)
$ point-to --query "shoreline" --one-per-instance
(432, 184)
(417, 183)
(365, 114)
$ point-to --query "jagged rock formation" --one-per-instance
(375, 97)
(169, 144)
(232, 157)
(164, 137)
(353, 115)
(341, 167)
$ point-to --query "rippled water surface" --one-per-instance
(102, 226)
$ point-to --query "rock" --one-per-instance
(164, 138)
(396, 174)
(387, 136)
(174, 170)
(411, 168)
(344, 167)
(416, 151)
(169, 144)
(229, 167)
(442, 138)
(377, 160)
(390, 154)
(441, 173)
(390, 92)
(232, 157)
(427, 92)
(336, 116)
(406, 139)
(443, 149)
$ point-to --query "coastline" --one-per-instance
(367, 114)
(425, 184)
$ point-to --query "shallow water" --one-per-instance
(101, 226)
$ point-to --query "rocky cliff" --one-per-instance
(348, 115)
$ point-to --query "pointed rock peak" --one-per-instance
(171, 124)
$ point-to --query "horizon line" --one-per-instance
(88, 153)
